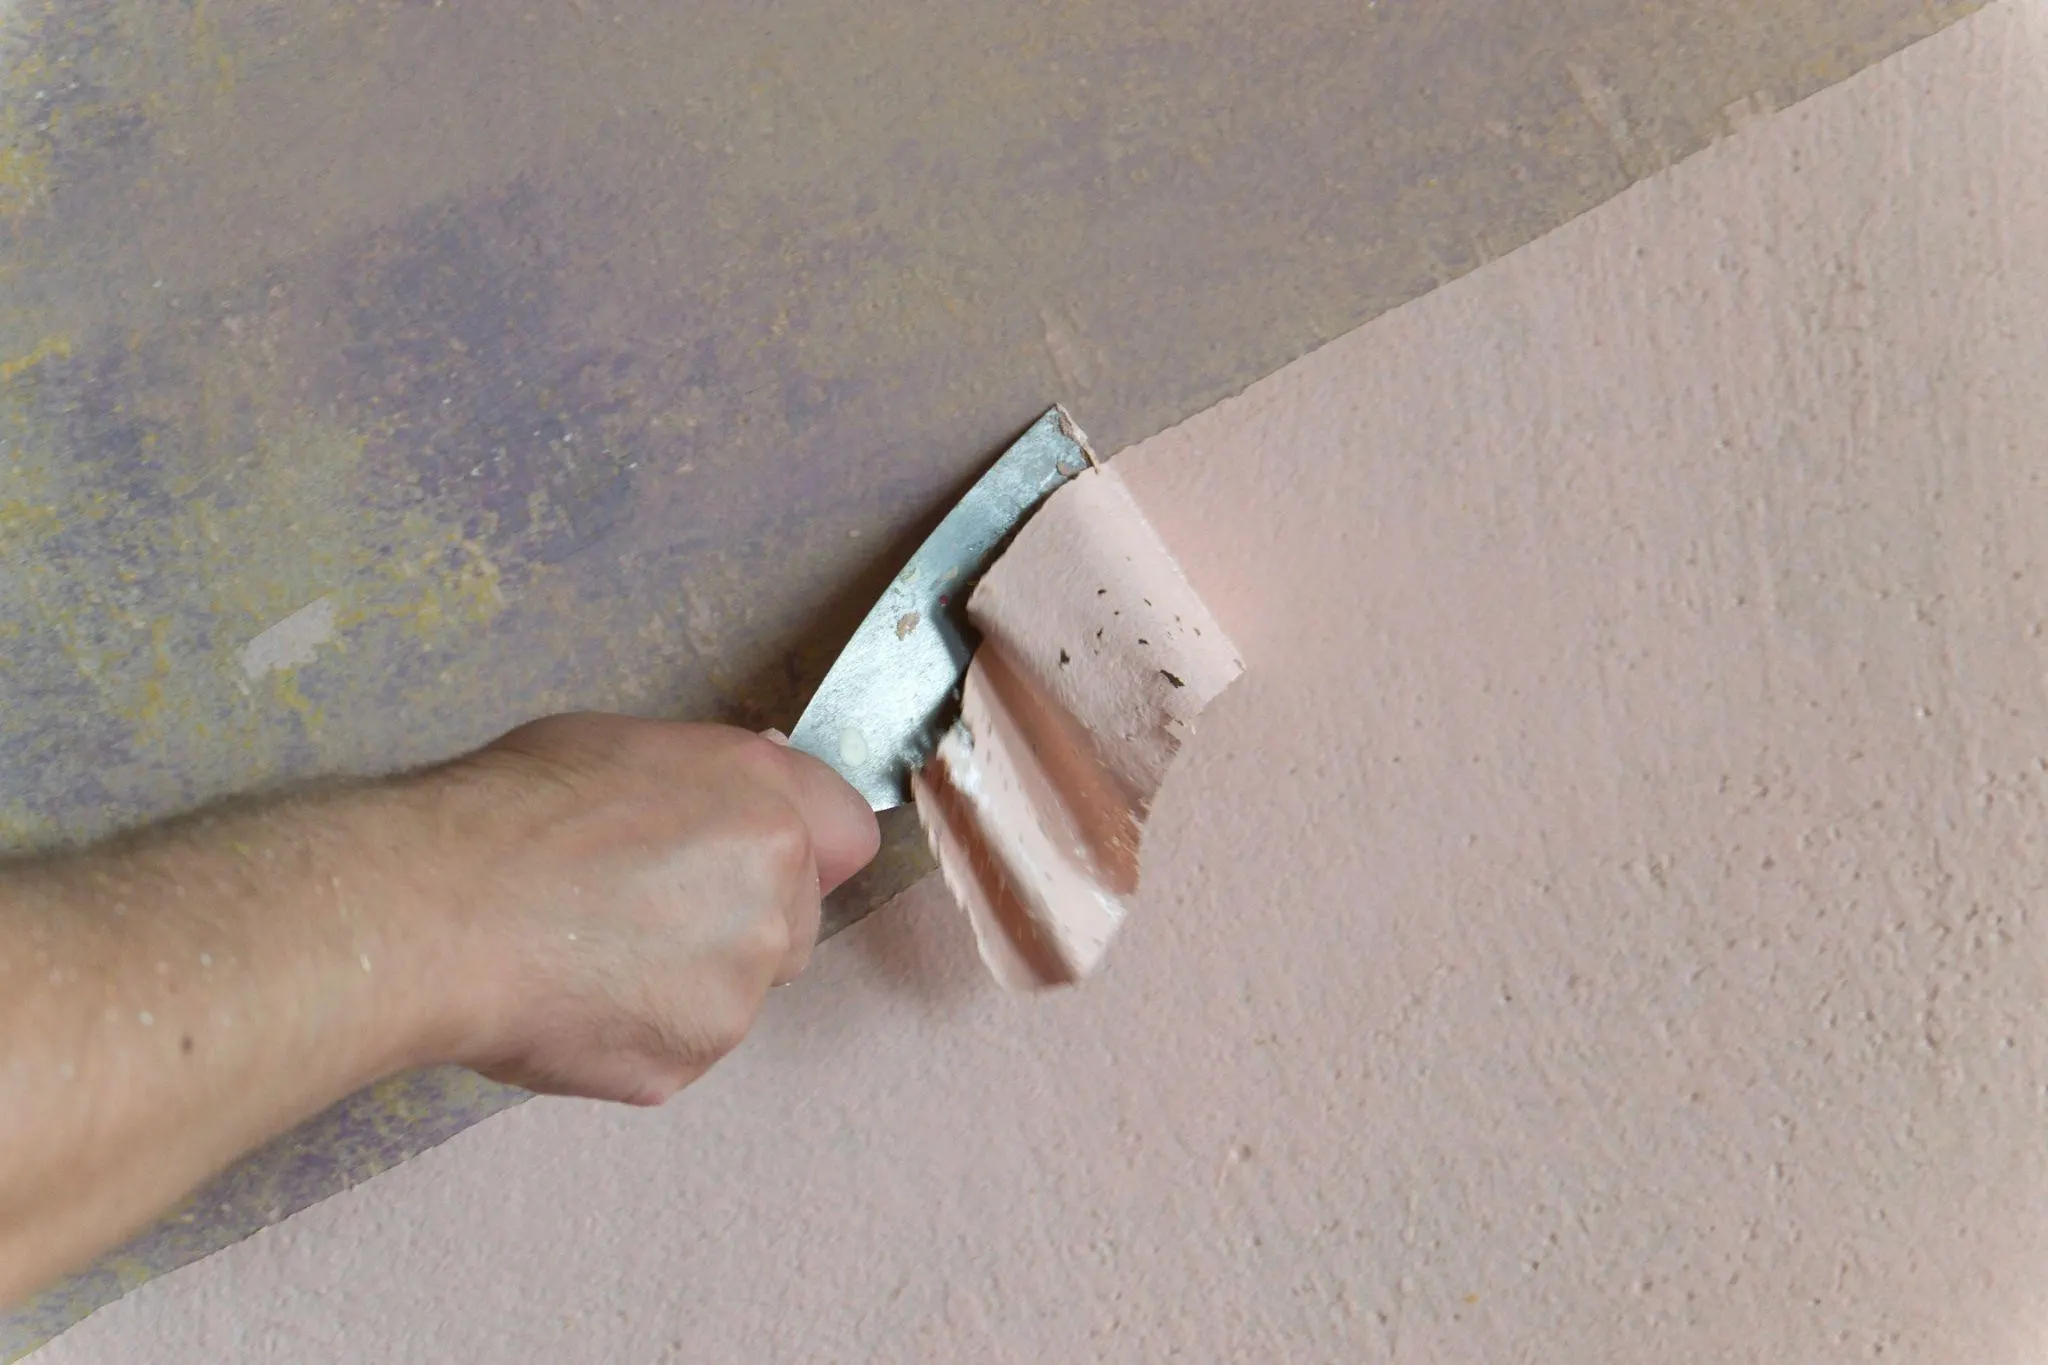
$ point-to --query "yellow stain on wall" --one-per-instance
(394, 1099)
(255, 525)
(24, 178)
(25, 524)
(207, 49)
(18, 828)
(284, 689)
(49, 348)
(452, 583)
(24, 148)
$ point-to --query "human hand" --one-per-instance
(635, 887)
(592, 905)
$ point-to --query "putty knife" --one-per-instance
(893, 689)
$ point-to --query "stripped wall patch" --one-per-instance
(1096, 658)
(289, 643)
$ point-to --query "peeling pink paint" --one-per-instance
(1604, 923)
(1097, 659)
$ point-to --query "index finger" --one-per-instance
(844, 833)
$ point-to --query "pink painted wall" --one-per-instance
(1605, 923)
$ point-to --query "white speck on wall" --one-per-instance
(289, 643)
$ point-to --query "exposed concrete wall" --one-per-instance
(1603, 924)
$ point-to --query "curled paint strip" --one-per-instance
(1096, 659)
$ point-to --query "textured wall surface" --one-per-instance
(1603, 924)
(375, 374)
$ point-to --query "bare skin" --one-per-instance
(591, 906)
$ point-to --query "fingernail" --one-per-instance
(775, 736)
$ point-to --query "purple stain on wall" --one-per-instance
(457, 358)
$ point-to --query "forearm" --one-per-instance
(593, 905)
(171, 1003)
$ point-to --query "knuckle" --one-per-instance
(770, 940)
(726, 1026)
(725, 1042)
(652, 1093)
(749, 760)
(783, 844)
(687, 1042)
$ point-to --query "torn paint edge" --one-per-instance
(1097, 657)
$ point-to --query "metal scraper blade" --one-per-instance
(880, 710)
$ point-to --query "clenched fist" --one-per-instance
(636, 888)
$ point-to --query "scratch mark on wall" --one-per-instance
(1603, 102)
(1069, 357)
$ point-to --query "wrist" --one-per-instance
(337, 911)
(440, 849)
(403, 885)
